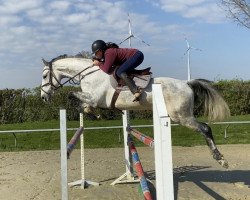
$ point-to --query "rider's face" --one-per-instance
(99, 54)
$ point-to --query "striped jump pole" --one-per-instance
(139, 170)
(72, 143)
(140, 136)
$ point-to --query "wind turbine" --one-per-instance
(188, 59)
(132, 35)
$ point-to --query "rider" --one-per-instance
(108, 56)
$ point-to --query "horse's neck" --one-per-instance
(69, 67)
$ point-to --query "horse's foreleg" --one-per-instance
(86, 98)
(87, 108)
(206, 131)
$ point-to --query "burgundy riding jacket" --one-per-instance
(114, 57)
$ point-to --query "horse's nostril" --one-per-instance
(44, 99)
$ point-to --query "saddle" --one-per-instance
(140, 77)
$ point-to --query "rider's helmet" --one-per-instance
(98, 45)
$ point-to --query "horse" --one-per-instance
(98, 88)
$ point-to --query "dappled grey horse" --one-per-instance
(98, 89)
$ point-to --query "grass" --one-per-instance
(109, 138)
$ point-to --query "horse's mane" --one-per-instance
(83, 54)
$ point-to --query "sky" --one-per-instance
(36, 29)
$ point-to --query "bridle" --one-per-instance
(71, 79)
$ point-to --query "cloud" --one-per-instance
(16, 6)
(50, 27)
(9, 20)
(60, 5)
(200, 10)
(32, 29)
(210, 13)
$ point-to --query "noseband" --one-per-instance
(52, 75)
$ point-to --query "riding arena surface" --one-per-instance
(36, 174)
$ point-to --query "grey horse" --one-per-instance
(98, 89)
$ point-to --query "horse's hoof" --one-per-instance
(88, 110)
(223, 163)
(220, 158)
(71, 96)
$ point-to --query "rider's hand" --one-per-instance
(96, 62)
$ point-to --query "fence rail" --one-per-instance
(110, 127)
(13, 132)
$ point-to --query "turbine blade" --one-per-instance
(129, 26)
(142, 40)
(197, 49)
(187, 43)
(126, 39)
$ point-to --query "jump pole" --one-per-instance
(140, 136)
(139, 170)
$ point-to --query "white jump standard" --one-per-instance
(162, 147)
(66, 151)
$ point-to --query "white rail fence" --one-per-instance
(13, 132)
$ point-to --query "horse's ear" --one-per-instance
(45, 62)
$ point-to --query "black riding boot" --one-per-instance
(131, 85)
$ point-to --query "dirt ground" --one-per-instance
(36, 175)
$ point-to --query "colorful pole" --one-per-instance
(143, 138)
(72, 143)
(139, 170)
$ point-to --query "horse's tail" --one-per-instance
(215, 107)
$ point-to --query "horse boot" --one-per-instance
(131, 85)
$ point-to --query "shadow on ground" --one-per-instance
(200, 174)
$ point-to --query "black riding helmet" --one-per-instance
(98, 45)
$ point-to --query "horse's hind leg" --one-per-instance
(206, 132)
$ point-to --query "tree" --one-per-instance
(238, 11)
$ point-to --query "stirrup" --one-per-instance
(137, 95)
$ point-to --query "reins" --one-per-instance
(52, 75)
(72, 78)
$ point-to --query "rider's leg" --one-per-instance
(129, 82)
(129, 65)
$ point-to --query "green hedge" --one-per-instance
(236, 94)
(26, 105)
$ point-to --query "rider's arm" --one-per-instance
(109, 59)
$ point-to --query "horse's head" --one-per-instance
(50, 80)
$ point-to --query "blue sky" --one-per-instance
(35, 29)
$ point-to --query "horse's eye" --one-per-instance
(45, 76)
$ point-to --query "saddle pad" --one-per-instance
(141, 81)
